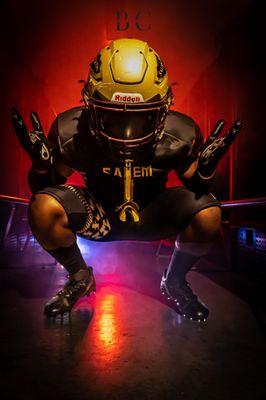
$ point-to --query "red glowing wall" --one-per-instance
(46, 47)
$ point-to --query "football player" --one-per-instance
(124, 140)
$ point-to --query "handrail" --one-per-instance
(13, 199)
(259, 201)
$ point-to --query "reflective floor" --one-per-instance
(124, 342)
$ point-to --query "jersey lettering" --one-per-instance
(136, 171)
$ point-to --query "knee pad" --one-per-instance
(86, 216)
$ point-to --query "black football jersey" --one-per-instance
(76, 146)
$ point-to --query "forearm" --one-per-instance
(199, 183)
(196, 181)
(209, 156)
(38, 180)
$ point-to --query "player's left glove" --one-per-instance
(215, 147)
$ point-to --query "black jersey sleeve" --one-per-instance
(186, 140)
(194, 149)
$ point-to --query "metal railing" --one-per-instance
(259, 201)
(15, 201)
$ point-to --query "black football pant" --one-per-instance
(165, 216)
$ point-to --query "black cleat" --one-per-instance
(73, 290)
(187, 302)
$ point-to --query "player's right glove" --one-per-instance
(33, 142)
(211, 152)
(215, 147)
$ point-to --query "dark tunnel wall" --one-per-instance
(233, 85)
(211, 48)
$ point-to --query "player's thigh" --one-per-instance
(171, 212)
(86, 216)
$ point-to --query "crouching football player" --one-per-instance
(124, 141)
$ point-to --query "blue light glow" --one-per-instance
(84, 245)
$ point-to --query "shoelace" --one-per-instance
(72, 287)
(184, 291)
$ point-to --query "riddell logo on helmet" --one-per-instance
(127, 97)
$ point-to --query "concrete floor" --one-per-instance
(125, 342)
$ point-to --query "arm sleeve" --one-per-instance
(197, 183)
(53, 137)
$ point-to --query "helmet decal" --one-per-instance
(161, 71)
(127, 97)
(96, 67)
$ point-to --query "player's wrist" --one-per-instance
(40, 167)
(39, 179)
(206, 173)
(200, 182)
(206, 167)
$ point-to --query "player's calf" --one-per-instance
(193, 243)
(49, 224)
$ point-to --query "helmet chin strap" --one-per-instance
(129, 207)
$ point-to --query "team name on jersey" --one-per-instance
(127, 97)
(136, 172)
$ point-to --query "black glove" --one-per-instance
(210, 154)
(33, 142)
(215, 147)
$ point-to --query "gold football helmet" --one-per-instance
(128, 96)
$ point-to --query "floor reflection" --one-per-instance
(108, 329)
(124, 341)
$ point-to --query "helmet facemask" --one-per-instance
(127, 130)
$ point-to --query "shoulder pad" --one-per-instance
(180, 127)
(68, 122)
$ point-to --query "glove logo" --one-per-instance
(45, 154)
